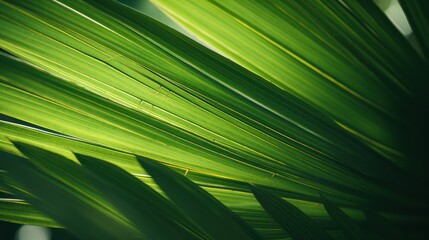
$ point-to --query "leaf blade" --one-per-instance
(349, 228)
(47, 193)
(293, 220)
(148, 210)
(212, 216)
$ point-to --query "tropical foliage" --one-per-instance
(295, 119)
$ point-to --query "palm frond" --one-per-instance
(302, 99)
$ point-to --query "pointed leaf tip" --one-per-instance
(293, 220)
(350, 229)
(218, 221)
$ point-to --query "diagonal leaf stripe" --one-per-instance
(17, 211)
(116, 126)
(219, 188)
(273, 145)
(415, 11)
(216, 219)
(350, 228)
(61, 201)
(149, 211)
(295, 222)
(318, 50)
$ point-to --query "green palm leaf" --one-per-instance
(63, 195)
(350, 228)
(150, 212)
(293, 220)
(211, 215)
(300, 98)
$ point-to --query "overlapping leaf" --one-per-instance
(56, 188)
(237, 116)
(293, 220)
(210, 214)
(345, 57)
(111, 83)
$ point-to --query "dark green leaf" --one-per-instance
(293, 220)
(47, 192)
(381, 227)
(153, 215)
(351, 229)
(210, 214)
(18, 211)
(417, 14)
